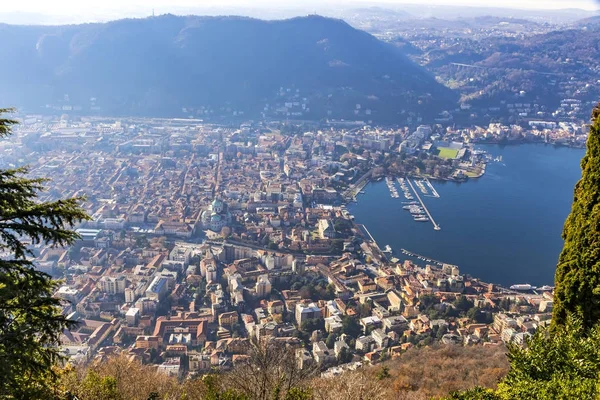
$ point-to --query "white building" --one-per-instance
(112, 285)
(181, 254)
(157, 289)
(263, 286)
(132, 316)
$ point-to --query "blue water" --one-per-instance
(503, 228)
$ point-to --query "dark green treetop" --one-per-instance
(578, 271)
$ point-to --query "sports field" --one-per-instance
(447, 152)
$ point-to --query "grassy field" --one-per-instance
(446, 152)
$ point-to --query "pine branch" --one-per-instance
(6, 123)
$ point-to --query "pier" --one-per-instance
(432, 189)
(435, 226)
(422, 257)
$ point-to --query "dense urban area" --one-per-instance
(203, 237)
(219, 159)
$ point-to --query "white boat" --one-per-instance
(546, 288)
(522, 287)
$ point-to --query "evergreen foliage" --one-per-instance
(30, 318)
(578, 271)
(560, 364)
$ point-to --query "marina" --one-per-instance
(421, 187)
(405, 189)
(392, 187)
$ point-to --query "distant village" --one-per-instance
(204, 237)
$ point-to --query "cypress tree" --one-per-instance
(578, 272)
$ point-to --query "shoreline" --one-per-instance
(402, 243)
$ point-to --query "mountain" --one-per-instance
(586, 23)
(218, 65)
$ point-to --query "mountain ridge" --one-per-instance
(159, 65)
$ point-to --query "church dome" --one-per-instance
(217, 206)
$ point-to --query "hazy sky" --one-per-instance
(70, 7)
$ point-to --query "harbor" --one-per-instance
(540, 180)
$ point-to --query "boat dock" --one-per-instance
(421, 257)
(390, 184)
(435, 225)
(434, 192)
(405, 189)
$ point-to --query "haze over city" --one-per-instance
(72, 11)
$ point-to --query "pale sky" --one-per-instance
(79, 7)
(55, 12)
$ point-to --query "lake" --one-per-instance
(504, 227)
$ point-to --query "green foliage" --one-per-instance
(578, 271)
(350, 326)
(98, 387)
(214, 393)
(6, 123)
(30, 319)
(427, 301)
(383, 373)
(563, 364)
(345, 356)
(463, 304)
(298, 394)
(330, 341)
(558, 364)
(474, 394)
(505, 304)
(312, 324)
(480, 316)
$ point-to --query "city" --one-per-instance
(203, 237)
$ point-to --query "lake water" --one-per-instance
(503, 228)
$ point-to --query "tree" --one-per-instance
(427, 301)
(345, 356)
(557, 364)
(351, 327)
(480, 316)
(463, 304)
(270, 373)
(330, 341)
(577, 274)
(30, 318)
(562, 364)
(312, 324)
(120, 378)
(383, 373)
(477, 393)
